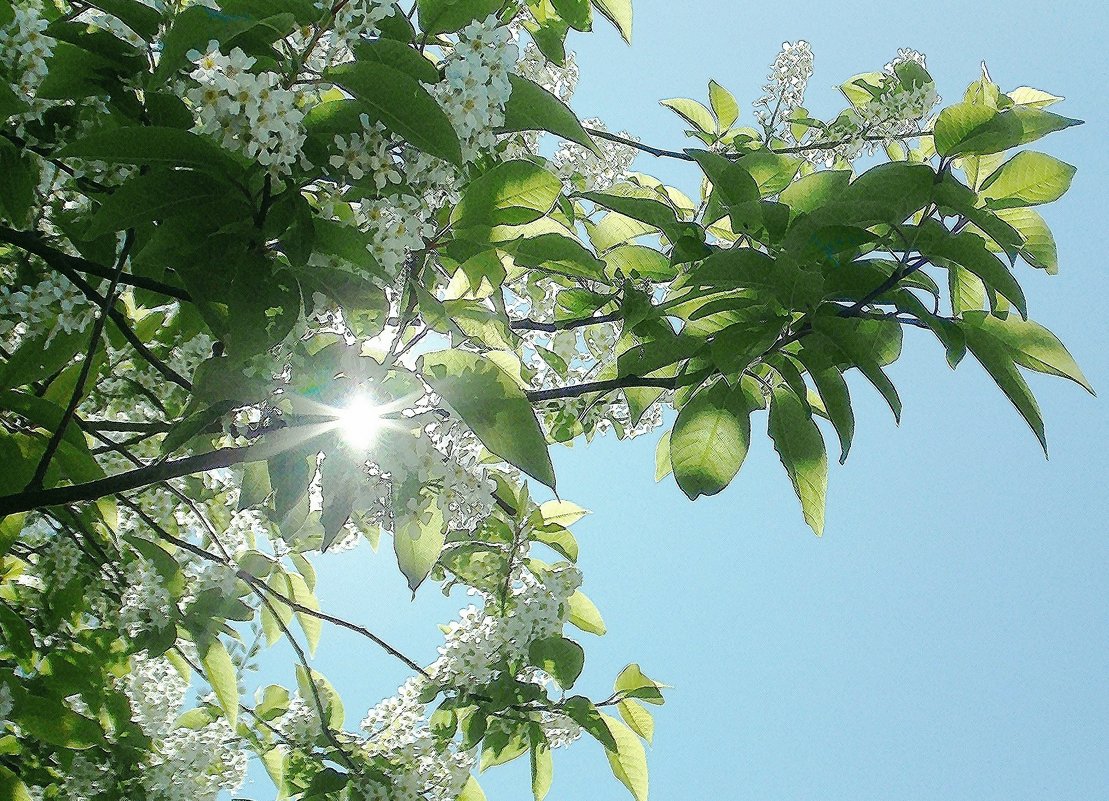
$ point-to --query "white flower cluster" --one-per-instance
(367, 153)
(358, 19)
(252, 113)
(185, 764)
(145, 605)
(476, 86)
(481, 643)
(559, 80)
(24, 50)
(584, 169)
(53, 306)
(898, 112)
(784, 90)
(425, 768)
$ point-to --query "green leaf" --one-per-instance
(638, 718)
(866, 344)
(1031, 345)
(1037, 245)
(448, 16)
(542, 766)
(143, 145)
(530, 107)
(561, 658)
(491, 403)
(140, 18)
(511, 185)
(17, 185)
(731, 183)
(967, 250)
(399, 56)
(584, 614)
(800, 446)
(220, 672)
(999, 360)
(156, 195)
(959, 127)
(576, 13)
(634, 683)
(710, 439)
(724, 106)
(663, 467)
(12, 787)
(400, 103)
(52, 722)
(638, 261)
(559, 254)
(562, 513)
(813, 191)
(418, 541)
(619, 13)
(833, 392)
(692, 112)
(1027, 179)
(898, 189)
(628, 761)
(471, 791)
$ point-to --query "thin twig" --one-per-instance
(78, 390)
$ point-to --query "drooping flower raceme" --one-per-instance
(252, 113)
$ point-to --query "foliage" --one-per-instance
(282, 276)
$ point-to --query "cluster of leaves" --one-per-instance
(758, 297)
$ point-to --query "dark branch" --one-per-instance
(120, 321)
(564, 325)
(131, 479)
(33, 243)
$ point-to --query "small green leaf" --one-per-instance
(418, 541)
(619, 13)
(638, 718)
(584, 614)
(1031, 345)
(800, 446)
(402, 105)
(999, 360)
(561, 658)
(220, 672)
(628, 761)
(692, 112)
(1027, 179)
(710, 439)
(724, 106)
(634, 683)
(563, 513)
(542, 766)
(530, 107)
(491, 403)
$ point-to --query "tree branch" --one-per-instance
(627, 382)
(121, 323)
(94, 345)
(132, 479)
(564, 325)
(33, 243)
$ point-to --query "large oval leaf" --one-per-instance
(400, 103)
(710, 439)
(494, 406)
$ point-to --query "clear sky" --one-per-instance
(948, 637)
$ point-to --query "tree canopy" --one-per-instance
(282, 275)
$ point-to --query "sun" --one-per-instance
(359, 420)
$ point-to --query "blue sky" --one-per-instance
(947, 637)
